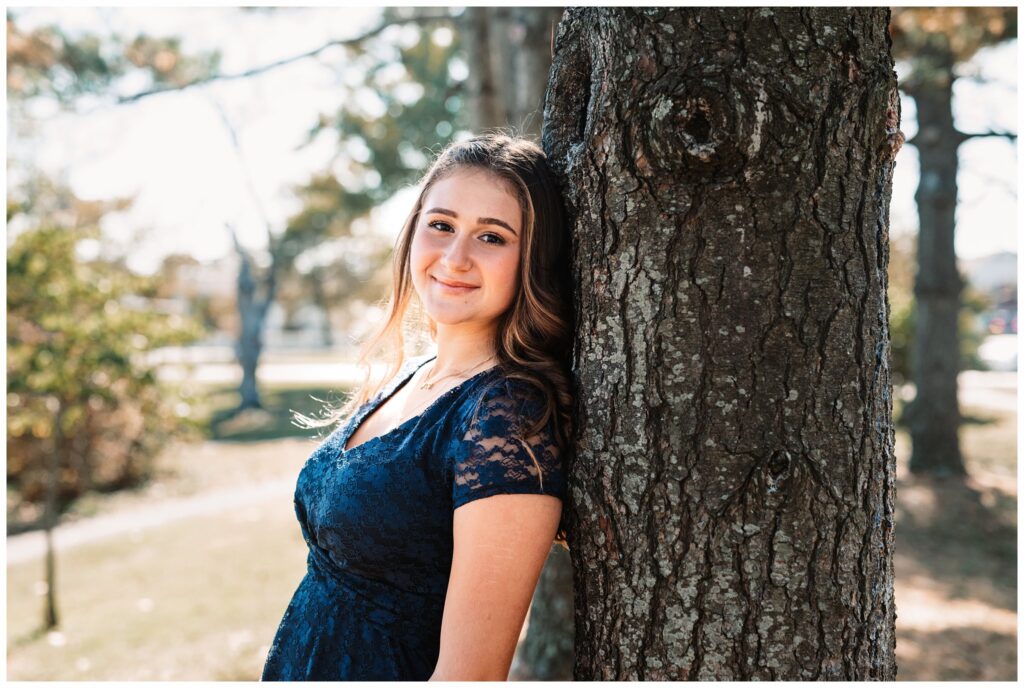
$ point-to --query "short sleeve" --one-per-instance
(492, 455)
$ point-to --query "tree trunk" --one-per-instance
(316, 282)
(729, 173)
(50, 617)
(482, 94)
(933, 417)
(250, 339)
(546, 652)
(509, 51)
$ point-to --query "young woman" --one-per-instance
(430, 511)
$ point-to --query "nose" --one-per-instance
(456, 257)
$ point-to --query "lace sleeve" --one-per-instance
(492, 457)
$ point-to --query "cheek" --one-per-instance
(508, 272)
(419, 254)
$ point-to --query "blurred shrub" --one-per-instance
(76, 332)
(902, 310)
(973, 304)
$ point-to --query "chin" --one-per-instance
(456, 315)
(448, 318)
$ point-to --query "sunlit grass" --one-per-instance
(214, 410)
(198, 599)
(988, 441)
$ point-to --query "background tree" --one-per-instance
(935, 41)
(510, 50)
(84, 409)
(729, 172)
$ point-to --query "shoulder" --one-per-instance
(503, 393)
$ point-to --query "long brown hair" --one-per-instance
(534, 336)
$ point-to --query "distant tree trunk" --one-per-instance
(50, 616)
(316, 282)
(729, 172)
(529, 33)
(482, 92)
(933, 417)
(933, 41)
(509, 49)
(252, 311)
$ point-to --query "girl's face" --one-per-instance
(468, 233)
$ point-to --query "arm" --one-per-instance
(500, 546)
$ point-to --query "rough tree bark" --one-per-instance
(729, 173)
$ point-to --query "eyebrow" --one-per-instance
(481, 220)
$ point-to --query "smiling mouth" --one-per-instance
(453, 287)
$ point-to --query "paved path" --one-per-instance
(32, 545)
(982, 388)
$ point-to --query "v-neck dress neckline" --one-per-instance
(397, 384)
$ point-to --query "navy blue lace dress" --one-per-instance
(378, 522)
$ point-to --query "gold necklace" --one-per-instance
(430, 384)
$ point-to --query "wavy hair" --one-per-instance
(534, 336)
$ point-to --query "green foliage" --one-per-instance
(47, 61)
(931, 41)
(77, 335)
(901, 331)
(902, 312)
(973, 304)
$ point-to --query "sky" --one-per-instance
(174, 153)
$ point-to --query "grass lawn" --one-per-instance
(956, 559)
(274, 421)
(193, 600)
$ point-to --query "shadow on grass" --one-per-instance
(985, 655)
(32, 636)
(899, 407)
(275, 420)
(962, 536)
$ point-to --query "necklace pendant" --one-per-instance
(426, 385)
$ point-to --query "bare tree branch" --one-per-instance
(1011, 135)
(354, 42)
(962, 136)
(245, 171)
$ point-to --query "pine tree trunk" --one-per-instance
(729, 173)
(482, 102)
(530, 36)
(934, 415)
(509, 51)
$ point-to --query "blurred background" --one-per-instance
(201, 205)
